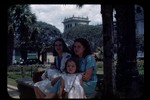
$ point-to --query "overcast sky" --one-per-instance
(55, 14)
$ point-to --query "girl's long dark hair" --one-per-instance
(65, 48)
(85, 44)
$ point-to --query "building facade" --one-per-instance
(74, 21)
(139, 19)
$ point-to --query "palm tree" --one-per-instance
(126, 65)
(109, 81)
(20, 21)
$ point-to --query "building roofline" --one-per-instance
(76, 19)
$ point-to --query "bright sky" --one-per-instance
(54, 14)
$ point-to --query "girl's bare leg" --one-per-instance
(39, 93)
(51, 95)
(42, 95)
(36, 92)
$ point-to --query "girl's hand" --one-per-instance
(53, 80)
(83, 73)
(84, 77)
(87, 74)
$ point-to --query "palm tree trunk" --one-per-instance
(126, 64)
(44, 55)
(38, 54)
(10, 46)
(109, 82)
(23, 51)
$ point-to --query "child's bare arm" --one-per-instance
(61, 87)
(81, 81)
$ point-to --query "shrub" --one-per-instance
(14, 71)
(140, 67)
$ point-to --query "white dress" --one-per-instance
(77, 90)
(45, 84)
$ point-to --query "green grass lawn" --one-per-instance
(14, 72)
(11, 81)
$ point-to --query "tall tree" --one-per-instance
(10, 43)
(21, 20)
(109, 80)
(45, 35)
(126, 65)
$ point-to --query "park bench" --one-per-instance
(25, 88)
(26, 85)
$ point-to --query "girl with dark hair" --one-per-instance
(61, 54)
(71, 81)
(76, 61)
(82, 50)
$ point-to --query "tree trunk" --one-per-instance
(10, 46)
(38, 54)
(126, 64)
(44, 56)
(109, 82)
(23, 51)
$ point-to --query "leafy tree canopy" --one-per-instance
(90, 32)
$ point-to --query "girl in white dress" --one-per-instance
(71, 81)
(45, 84)
(61, 54)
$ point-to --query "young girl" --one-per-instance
(81, 49)
(61, 54)
(71, 82)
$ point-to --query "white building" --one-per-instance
(74, 21)
(139, 19)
